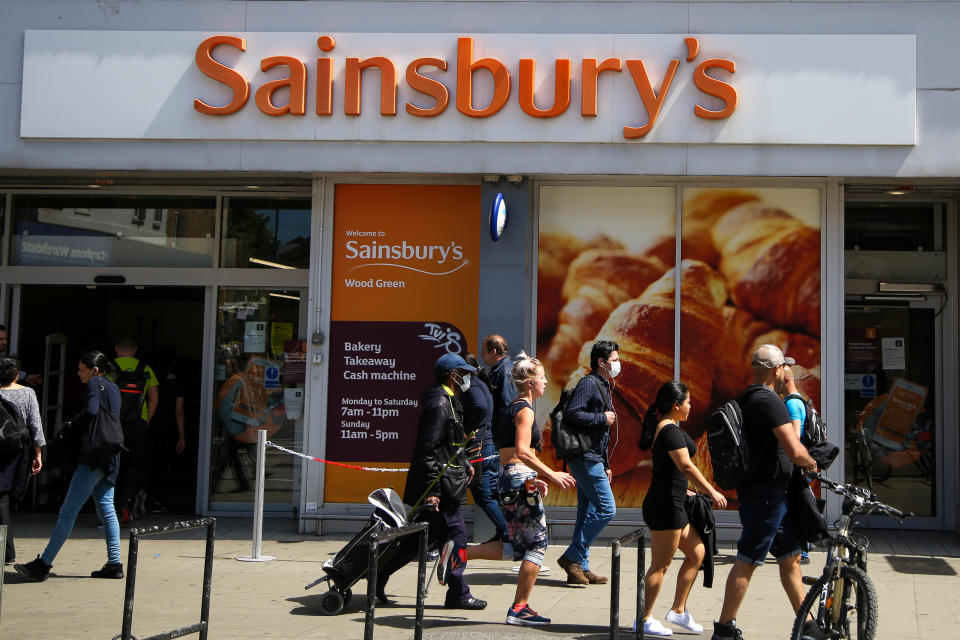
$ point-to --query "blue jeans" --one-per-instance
(86, 482)
(595, 508)
(486, 494)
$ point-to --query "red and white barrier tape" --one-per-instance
(351, 466)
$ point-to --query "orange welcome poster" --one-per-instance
(405, 272)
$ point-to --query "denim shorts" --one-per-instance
(766, 527)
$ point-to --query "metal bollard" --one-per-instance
(640, 535)
(258, 502)
(202, 627)
(376, 540)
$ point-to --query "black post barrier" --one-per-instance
(640, 535)
(375, 541)
(201, 627)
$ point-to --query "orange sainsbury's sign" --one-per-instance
(429, 87)
(420, 76)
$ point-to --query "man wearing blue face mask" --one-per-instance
(591, 411)
(440, 436)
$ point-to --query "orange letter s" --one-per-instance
(716, 88)
(222, 73)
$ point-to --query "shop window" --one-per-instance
(266, 233)
(3, 213)
(895, 241)
(260, 372)
(102, 231)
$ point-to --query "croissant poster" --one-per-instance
(405, 275)
(749, 274)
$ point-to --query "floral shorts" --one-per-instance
(523, 511)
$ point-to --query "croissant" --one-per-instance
(598, 280)
(643, 327)
(772, 264)
(743, 333)
(700, 214)
(556, 251)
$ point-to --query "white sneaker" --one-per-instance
(684, 620)
(543, 569)
(653, 627)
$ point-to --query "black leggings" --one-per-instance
(9, 552)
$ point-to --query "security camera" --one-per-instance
(491, 177)
(514, 179)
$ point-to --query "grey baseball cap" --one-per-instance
(769, 356)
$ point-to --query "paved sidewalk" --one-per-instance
(919, 595)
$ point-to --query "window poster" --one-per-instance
(604, 253)
(405, 278)
(750, 276)
(749, 273)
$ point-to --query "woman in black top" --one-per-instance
(663, 510)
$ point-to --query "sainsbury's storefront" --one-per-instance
(304, 217)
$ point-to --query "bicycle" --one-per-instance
(844, 576)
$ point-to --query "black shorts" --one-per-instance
(662, 515)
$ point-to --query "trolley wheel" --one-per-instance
(332, 603)
(347, 594)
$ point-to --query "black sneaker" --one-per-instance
(36, 570)
(726, 631)
(812, 631)
(112, 570)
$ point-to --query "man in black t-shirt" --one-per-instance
(774, 449)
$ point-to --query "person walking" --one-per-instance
(166, 434)
(138, 385)
(496, 357)
(591, 411)
(765, 522)
(797, 409)
(438, 476)
(97, 481)
(521, 496)
(478, 417)
(16, 467)
(663, 508)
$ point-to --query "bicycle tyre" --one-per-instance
(865, 606)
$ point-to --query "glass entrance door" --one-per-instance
(259, 374)
(893, 405)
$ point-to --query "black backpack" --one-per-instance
(568, 443)
(729, 452)
(814, 428)
(14, 434)
(133, 385)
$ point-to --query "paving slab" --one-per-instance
(919, 595)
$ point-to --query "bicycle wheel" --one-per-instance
(856, 616)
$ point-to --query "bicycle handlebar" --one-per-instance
(863, 499)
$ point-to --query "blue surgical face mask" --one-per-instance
(464, 382)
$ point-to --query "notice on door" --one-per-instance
(894, 354)
(405, 274)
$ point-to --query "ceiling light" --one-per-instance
(283, 295)
(900, 190)
(267, 263)
(253, 186)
